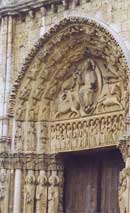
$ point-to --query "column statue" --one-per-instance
(53, 193)
(29, 193)
(41, 193)
(3, 191)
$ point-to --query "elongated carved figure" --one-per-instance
(3, 191)
(29, 192)
(123, 190)
(41, 193)
(53, 193)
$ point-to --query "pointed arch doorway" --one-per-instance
(92, 181)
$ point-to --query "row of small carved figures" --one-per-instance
(108, 128)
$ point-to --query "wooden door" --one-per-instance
(92, 183)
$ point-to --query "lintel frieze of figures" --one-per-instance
(72, 91)
(86, 133)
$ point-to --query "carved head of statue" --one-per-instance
(74, 126)
(97, 122)
(52, 128)
(58, 127)
(120, 118)
(63, 127)
(85, 124)
(30, 179)
(42, 180)
(3, 177)
(115, 119)
(79, 125)
(69, 127)
(54, 180)
(103, 121)
(91, 122)
(109, 119)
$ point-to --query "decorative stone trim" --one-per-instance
(23, 160)
(49, 35)
(87, 133)
(25, 6)
(16, 8)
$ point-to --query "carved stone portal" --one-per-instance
(71, 94)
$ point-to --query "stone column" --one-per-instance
(17, 192)
(3, 65)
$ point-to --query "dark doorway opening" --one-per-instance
(91, 182)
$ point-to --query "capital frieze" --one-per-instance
(124, 146)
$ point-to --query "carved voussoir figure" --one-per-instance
(29, 193)
(21, 110)
(25, 92)
(31, 139)
(53, 193)
(19, 137)
(41, 193)
(32, 114)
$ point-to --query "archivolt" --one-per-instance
(55, 56)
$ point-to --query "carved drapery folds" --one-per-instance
(31, 136)
(4, 190)
(55, 185)
(75, 72)
(124, 190)
(124, 179)
(53, 193)
(44, 189)
(29, 192)
(86, 134)
(41, 192)
(89, 87)
(71, 94)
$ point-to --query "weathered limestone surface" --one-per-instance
(63, 87)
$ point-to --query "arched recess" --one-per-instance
(72, 91)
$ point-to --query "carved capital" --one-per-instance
(124, 146)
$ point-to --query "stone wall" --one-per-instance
(27, 26)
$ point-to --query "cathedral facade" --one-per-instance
(64, 106)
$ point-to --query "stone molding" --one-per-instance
(30, 161)
(49, 35)
(15, 8)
